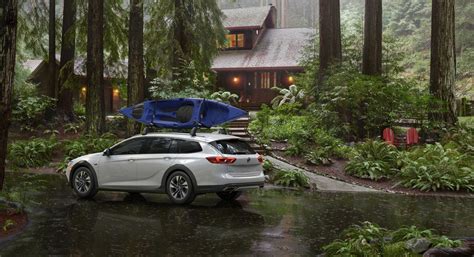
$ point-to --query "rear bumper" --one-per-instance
(229, 187)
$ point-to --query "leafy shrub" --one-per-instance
(358, 240)
(225, 97)
(291, 178)
(366, 104)
(289, 95)
(374, 160)
(29, 111)
(268, 166)
(460, 137)
(31, 153)
(437, 167)
(86, 144)
(369, 239)
(79, 110)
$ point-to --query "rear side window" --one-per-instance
(233, 146)
(183, 146)
(159, 145)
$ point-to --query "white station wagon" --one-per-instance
(177, 164)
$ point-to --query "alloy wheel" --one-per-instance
(83, 181)
(179, 187)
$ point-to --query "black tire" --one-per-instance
(229, 196)
(84, 183)
(179, 188)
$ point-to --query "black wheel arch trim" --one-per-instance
(178, 167)
(87, 165)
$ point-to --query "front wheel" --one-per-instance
(179, 188)
(83, 183)
(229, 196)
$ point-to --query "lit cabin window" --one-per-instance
(268, 80)
(235, 40)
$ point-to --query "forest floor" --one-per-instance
(12, 221)
(336, 171)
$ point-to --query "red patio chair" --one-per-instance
(389, 136)
(412, 137)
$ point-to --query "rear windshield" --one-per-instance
(233, 146)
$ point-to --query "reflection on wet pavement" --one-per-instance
(266, 222)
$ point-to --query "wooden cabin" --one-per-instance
(257, 56)
(113, 76)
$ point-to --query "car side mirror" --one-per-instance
(107, 152)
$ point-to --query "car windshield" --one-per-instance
(233, 146)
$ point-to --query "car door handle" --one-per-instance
(131, 160)
(167, 158)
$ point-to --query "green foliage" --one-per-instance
(305, 134)
(31, 153)
(460, 137)
(73, 127)
(79, 110)
(86, 144)
(8, 224)
(29, 111)
(369, 239)
(268, 166)
(436, 167)
(191, 84)
(225, 97)
(191, 36)
(289, 95)
(291, 178)
(373, 160)
(364, 105)
(366, 239)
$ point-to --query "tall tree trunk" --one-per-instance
(66, 65)
(443, 62)
(135, 93)
(8, 24)
(95, 103)
(372, 55)
(182, 50)
(52, 88)
(330, 50)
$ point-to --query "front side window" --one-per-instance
(233, 146)
(133, 146)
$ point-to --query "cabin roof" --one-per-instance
(251, 17)
(115, 70)
(279, 48)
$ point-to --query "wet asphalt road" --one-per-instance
(269, 222)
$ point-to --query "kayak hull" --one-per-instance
(183, 113)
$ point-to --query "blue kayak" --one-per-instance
(183, 113)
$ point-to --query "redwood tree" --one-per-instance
(330, 51)
(443, 62)
(8, 24)
(136, 77)
(51, 90)
(66, 65)
(372, 55)
(95, 105)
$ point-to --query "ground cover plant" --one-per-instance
(32, 153)
(373, 159)
(368, 239)
(290, 178)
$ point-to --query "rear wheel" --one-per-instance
(229, 196)
(179, 188)
(83, 183)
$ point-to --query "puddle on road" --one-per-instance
(265, 222)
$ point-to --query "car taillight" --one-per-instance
(260, 159)
(221, 159)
